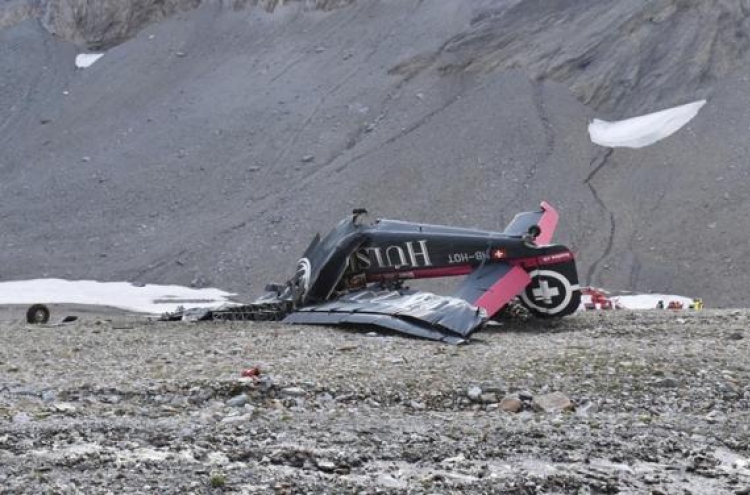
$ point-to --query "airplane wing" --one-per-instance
(420, 314)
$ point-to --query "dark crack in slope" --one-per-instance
(598, 162)
(549, 135)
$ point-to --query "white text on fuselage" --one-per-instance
(412, 254)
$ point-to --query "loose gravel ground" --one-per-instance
(659, 403)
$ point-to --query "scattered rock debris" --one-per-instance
(160, 407)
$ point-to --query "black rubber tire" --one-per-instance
(38, 314)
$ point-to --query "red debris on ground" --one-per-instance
(599, 299)
(253, 372)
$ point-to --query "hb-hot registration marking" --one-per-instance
(466, 257)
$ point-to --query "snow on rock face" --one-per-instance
(85, 60)
(645, 130)
(152, 299)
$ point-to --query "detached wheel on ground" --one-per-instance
(38, 314)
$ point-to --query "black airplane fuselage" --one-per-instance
(404, 250)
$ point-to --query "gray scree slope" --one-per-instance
(212, 145)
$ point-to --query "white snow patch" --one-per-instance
(146, 454)
(640, 301)
(649, 301)
(85, 60)
(152, 299)
(644, 130)
(71, 452)
(217, 458)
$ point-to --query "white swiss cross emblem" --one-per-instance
(549, 293)
(544, 292)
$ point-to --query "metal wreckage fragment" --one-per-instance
(355, 275)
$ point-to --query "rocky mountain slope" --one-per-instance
(211, 145)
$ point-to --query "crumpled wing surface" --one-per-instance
(420, 314)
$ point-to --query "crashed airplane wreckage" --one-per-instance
(355, 276)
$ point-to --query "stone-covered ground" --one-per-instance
(650, 402)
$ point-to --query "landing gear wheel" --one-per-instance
(38, 314)
(299, 285)
(514, 310)
(550, 295)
